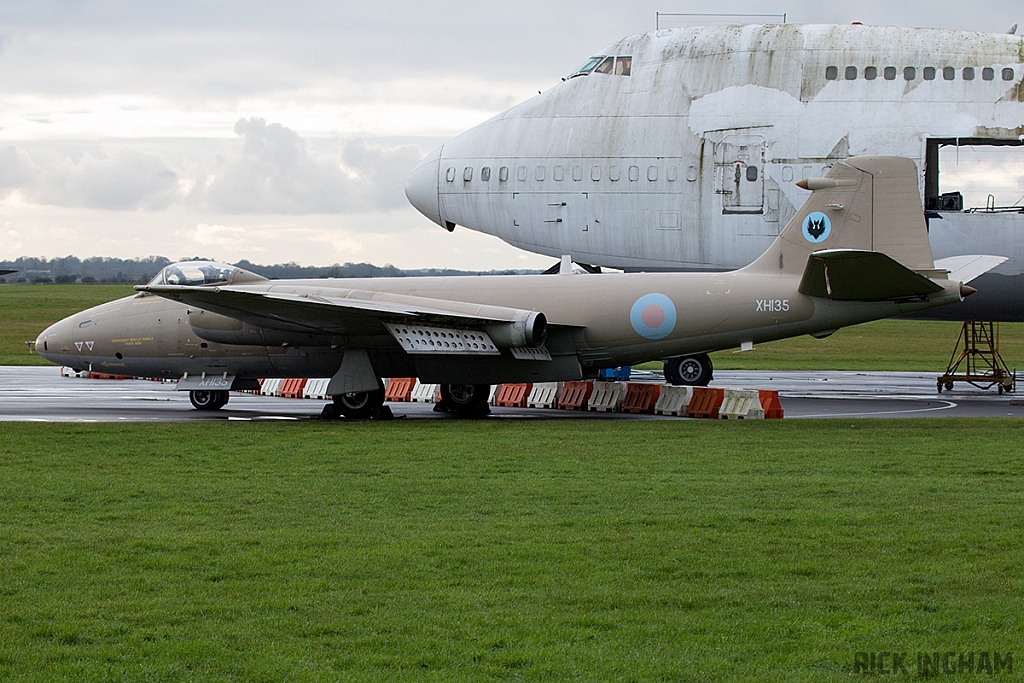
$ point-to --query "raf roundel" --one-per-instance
(653, 316)
(817, 227)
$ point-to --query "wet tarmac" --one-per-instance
(40, 394)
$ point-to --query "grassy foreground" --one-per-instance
(542, 551)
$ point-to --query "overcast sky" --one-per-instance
(284, 131)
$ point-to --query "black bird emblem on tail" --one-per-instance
(816, 228)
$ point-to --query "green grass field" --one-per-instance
(907, 345)
(402, 551)
(26, 310)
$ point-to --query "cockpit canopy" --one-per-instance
(203, 273)
(621, 65)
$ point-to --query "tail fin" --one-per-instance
(863, 203)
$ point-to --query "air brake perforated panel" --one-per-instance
(430, 339)
(526, 353)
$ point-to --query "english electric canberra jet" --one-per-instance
(856, 251)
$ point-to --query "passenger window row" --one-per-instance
(558, 173)
(929, 73)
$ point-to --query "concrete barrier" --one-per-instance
(513, 395)
(543, 395)
(316, 387)
(424, 393)
(740, 404)
(606, 397)
(492, 395)
(271, 387)
(574, 395)
(640, 398)
(705, 402)
(400, 389)
(673, 400)
(293, 387)
(770, 404)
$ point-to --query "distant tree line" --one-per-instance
(100, 269)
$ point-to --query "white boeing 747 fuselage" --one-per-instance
(679, 149)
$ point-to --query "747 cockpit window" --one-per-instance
(601, 64)
(588, 66)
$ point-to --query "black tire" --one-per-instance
(359, 405)
(208, 400)
(695, 371)
(466, 400)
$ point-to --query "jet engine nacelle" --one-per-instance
(529, 329)
(221, 329)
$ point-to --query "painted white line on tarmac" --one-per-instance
(949, 404)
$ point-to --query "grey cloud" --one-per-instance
(128, 179)
(384, 171)
(16, 169)
(277, 172)
(269, 169)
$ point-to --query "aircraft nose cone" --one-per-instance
(421, 187)
(51, 340)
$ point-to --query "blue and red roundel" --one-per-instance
(653, 316)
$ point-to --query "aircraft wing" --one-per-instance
(350, 311)
(857, 275)
(968, 267)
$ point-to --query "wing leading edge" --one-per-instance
(359, 312)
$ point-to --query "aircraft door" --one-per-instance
(739, 175)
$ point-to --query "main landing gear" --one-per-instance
(358, 405)
(461, 400)
(208, 400)
(464, 400)
(690, 370)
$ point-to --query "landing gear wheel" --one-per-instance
(208, 400)
(689, 370)
(466, 400)
(359, 405)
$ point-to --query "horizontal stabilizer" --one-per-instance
(856, 275)
(968, 267)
